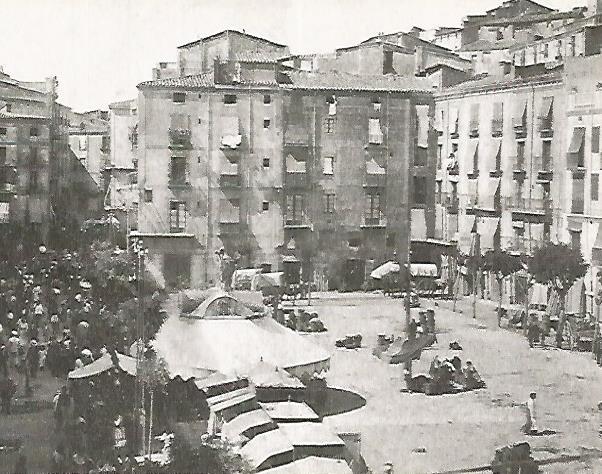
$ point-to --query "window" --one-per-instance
(375, 134)
(595, 186)
(2, 131)
(266, 162)
(329, 165)
(177, 216)
(391, 238)
(8, 107)
(499, 35)
(546, 155)
(266, 123)
(546, 50)
(295, 209)
(105, 145)
(572, 45)
(329, 124)
(520, 155)
(595, 139)
(34, 132)
(419, 191)
(177, 170)
(33, 184)
(438, 192)
(376, 104)
(372, 209)
(267, 99)
(439, 156)
(575, 239)
(388, 62)
(329, 203)
(148, 195)
(179, 97)
(230, 99)
(265, 206)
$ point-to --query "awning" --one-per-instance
(422, 115)
(265, 446)
(231, 137)
(474, 117)
(498, 156)
(498, 111)
(230, 399)
(424, 270)
(385, 269)
(453, 120)
(546, 107)
(487, 228)
(244, 275)
(575, 297)
(295, 166)
(310, 434)
(577, 140)
(520, 112)
(313, 465)
(490, 197)
(264, 280)
(290, 411)
(105, 363)
(247, 421)
(474, 155)
(597, 248)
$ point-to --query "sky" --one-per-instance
(101, 49)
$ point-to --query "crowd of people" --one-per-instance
(53, 319)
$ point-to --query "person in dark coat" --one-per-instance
(8, 388)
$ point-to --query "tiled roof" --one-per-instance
(344, 81)
(183, 82)
(486, 45)
(227, 32)
(124, 104)
(500, 82)
(259, 57)
(537, 18)
(10, 115)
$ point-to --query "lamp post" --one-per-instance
(140, 252)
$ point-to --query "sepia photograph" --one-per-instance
(300, 236)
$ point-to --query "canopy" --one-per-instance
(264, 280)
(247, 421)
(265, 446)
(310, 434)
(235, 345)
(103, 364)
(243, 276)
(268, 375)
(385, 269)
(290, 411)
(230, 399)
(313, 464)
(221, 305)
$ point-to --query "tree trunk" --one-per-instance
(150, 422)
(500, 282)
(561, 321)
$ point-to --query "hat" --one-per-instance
(87, 352)
(118, 420)
(34, 342)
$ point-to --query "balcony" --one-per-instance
(546, 128)
(451, 202)
(295, 180)
(497, 128)
(375, 180)
(473, 133)
(231, 181)
(180, 139)
(374, 222)
(497, 173)
(520, 130)
(545, 176)
(297, 221)
(474, 174)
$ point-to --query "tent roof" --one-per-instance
(235, 346)
(313, 464)
(220, 305)
(283, 411)
(264, 446)
(268, 375)
(104, 363)
(310, 434)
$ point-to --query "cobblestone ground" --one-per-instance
(459, 431)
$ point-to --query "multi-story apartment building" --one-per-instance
(41, 182)
(263, 160)
(500, 152)
(120, 173)
(90, 141)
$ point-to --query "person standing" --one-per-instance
(8, 388)
(531, 424)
